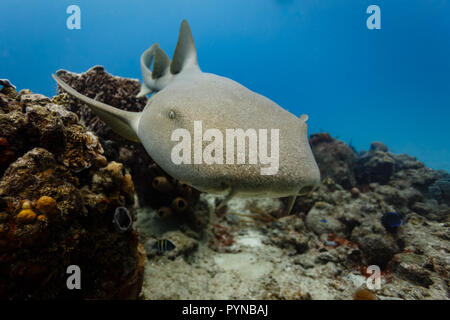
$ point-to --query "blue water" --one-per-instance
(315, 57)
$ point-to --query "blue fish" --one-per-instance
(392, 220)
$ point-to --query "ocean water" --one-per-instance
(314, 57)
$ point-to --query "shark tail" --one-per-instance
(156, 79)
(184, 58)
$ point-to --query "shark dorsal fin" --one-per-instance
(156, 79)
(185, 55)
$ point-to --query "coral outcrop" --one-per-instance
(334, 158)
(58, 195)
(376, 165)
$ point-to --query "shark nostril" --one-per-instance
(171, 114)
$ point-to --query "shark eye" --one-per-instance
(171, 114)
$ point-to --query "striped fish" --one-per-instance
(163, 245)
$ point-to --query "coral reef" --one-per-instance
(66, 197)
(7, 84)
(322, 250)
(58, 194)
(334, 158)
(170, 196)
(376, 165)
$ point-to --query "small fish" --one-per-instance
(163, 245)
(330, 243)
(392, 220)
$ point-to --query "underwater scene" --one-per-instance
(225, 150)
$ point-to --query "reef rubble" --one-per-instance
(323, 250)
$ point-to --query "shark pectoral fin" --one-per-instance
(290, 205)
(231, 193)
(185, 55)
(156, 79)
(122, 122)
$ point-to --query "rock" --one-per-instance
(305, 262)
(421, 208)
(47, 128)
(328, 256)
(375, 166)
(377, 249)
(320, 219)
(410, 196)
(410, 266)
(290, 240)
(355, 192)
(6, 83)
(444, 187)
(291, 223)
(33, 99)
(335, 159)
(378, 146)
(421, 179)
(404, 161)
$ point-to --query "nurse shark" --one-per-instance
(184, 97)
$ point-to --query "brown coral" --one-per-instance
(57, 197)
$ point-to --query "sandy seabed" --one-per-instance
(254, 267)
